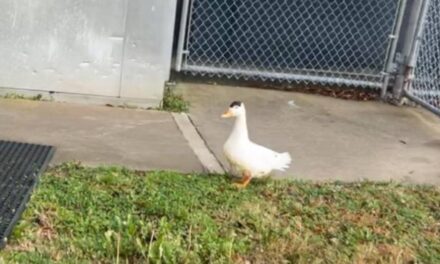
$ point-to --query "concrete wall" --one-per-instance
(99, 48)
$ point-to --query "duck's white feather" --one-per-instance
(259, 160)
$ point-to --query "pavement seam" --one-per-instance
(197, 143)
(207, 145)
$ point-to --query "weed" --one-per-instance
(173, 102)
(37, 97)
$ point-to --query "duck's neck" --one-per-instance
(240, 131)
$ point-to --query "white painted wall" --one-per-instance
(106, 48)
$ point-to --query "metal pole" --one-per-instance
(284, 76)
(412, 58)
(422, 103)
(182, 35)
(392, 51)
(419, 35)
(414, 11)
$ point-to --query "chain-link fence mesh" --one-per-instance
(326, 41)
(426, 82)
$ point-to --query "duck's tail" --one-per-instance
(283, 161)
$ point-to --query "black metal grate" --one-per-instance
(20, 166)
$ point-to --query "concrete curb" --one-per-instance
(197, 144)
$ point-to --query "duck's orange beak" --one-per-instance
(227, 114)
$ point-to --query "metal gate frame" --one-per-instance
(388, 69)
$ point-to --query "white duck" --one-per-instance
(247, 159)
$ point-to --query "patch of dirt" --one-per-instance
(46, 228)
(360, 219)
(341, 92)
(356, 94)
(23, 246)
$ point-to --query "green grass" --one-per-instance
(173, 102)
(113, 215)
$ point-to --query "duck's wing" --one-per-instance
(272, 159)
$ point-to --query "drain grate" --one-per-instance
(20, 167)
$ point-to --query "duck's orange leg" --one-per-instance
(245, 180)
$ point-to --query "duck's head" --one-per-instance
(236, 109)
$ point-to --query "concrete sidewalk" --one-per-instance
(329, 139)
(98, 135)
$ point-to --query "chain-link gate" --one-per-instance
(344, 42)
(425, 84)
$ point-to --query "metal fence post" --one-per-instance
(408, 36)
(393, 46)
(412, 60)
(182, 35)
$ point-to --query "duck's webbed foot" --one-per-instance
(244, 181)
